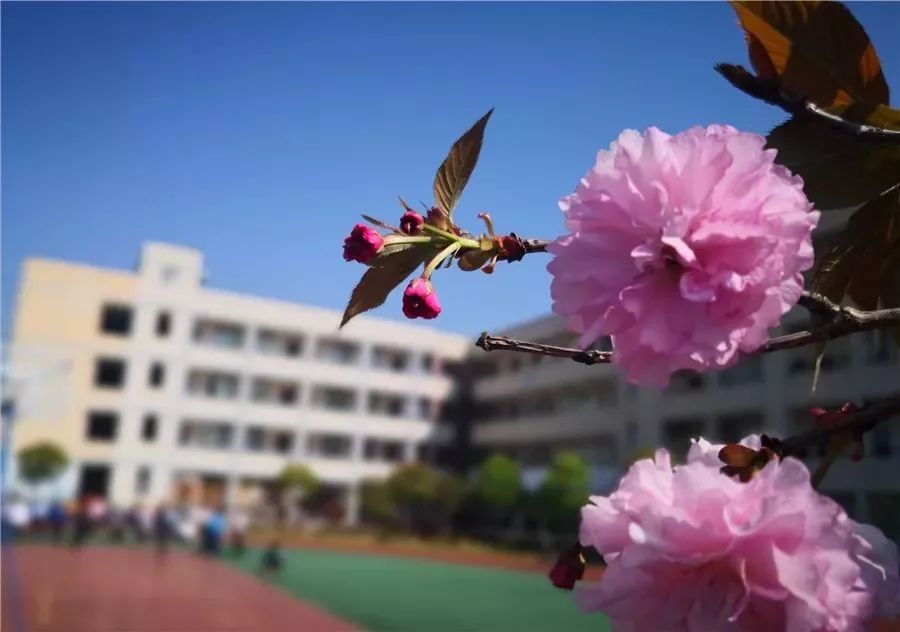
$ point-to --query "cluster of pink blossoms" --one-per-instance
(688, 548)
(364, 244)
(684, 249)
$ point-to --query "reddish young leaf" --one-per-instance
(454, 172)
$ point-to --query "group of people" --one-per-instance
(210, 529)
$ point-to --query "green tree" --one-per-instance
(423, 497)
(42, 462)
(498, 483)
(293, 485)
(565, 490)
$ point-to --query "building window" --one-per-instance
(260, 439)
(270, 391)
(884, 513)
(388, 359)
(102, 426)
(835, 357)
(205, 434)
(109, 373)
(335, 398)
(685, 382)
(428, 363)
(163, 324)
(677, 434)
(882, 447)
(329, 446)
(731, 428)
(386, 404)
(216, 333)
(116, 320)
(879, 348)
(157, 375)
(142, 480)
(337, 351)
(383, 450)
(748, 370)
(279, 343)
(425, 408)
(149, 428)
(213, 384)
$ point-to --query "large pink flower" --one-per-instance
(688, 548)
(685, 249)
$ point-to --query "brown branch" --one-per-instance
(842, 320)
(858, 423)
(769, 91)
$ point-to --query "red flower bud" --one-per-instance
(411, 223)
(569, 568)
(363, 244)
(420, 300)
(511, 247)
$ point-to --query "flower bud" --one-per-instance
(569, 568)
(411, 223)
(363, 244)
(420, 300)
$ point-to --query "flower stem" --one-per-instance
(407, 240)
(464, 242)
(439, 259)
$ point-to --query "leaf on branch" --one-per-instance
(837, 170)
(379, 223)
(454, 172)
(858, 261)
(386, 272)
(816, 50)
(474, 259)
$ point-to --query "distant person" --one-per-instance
(163, 528)
(57, 517)
(82, 524)
(116, 520)
(272, 559)
(212, 531)
(239, 523)
(17, 516)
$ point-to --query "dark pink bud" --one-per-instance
(411, 223)
(569, 568)
(363, 244)
(511, 247)
(420, 300)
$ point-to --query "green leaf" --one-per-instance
(837, 170)
(474, 259)
(385, 273)
(379, 223)
(454, 172)
(857, 263)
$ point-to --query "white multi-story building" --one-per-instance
(532, 406)
(168, 381)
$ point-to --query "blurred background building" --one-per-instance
(531, 406)
(173, 386)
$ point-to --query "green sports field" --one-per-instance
(406, 595)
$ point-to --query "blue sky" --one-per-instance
(258, 132)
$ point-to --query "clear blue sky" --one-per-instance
(258, 132)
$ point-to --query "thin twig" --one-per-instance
(842, 320)
(858, 423)
(769, 91)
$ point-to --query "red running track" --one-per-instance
(106, 589)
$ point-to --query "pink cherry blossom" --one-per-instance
(363, 244)
(688, 548)
(685, 249)
(420, 300)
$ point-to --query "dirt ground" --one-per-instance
(106, 589)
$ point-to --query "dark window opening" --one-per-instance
(163, 324)
(149, 428)
(93, 480)
(116, 320)
(157, 375)
(102, 426)
(109, 373)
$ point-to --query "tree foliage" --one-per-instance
(298, 477)
(564, 491)
(42, 462)
(499, 482)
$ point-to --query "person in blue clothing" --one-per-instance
(212, 532)
(57, 518)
